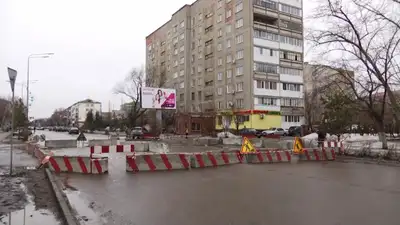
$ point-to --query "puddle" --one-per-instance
(29, 215)
(85, 209)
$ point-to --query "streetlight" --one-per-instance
(12, 75)
(41, 55)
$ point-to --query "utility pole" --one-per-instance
(12, 75)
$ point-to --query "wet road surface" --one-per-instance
(52, 135)
(282, 194)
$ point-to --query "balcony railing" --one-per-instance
(266, 4)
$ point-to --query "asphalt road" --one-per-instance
(52, 135)
(279, 194)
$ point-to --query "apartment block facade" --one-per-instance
(241, 59)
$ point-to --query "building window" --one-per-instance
(264, 51)
(196, 127)
(266, 35)
(239, 54)
(239, 39)
(219, 91)
(228, 13)
(219, 19)
(239, 23)
(229, 89)
(219, 47)
(199, 69)
(219, 61)
(220, 107)
(290, 87)
(291, 40)
(229, 74)
(182, 24)
(239, 87)
(182, 72)
(292, 102)
(220, 33)
(268, 101)
(292, 119)
(219, 4)
(175, 75)
(228, 43)
(239, 71)
(239, 103)
(182, 60)
(291, 56)
(290, 71)
(182, 85)
(182, 48)
(265, 68)
(290, 9)
(239, 7)
(175, 63)
(267, 85)
(219, 76)
(175, 51)
(200, 17)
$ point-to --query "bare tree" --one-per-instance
(131, 87)
(357, 38)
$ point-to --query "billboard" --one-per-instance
(158, 98)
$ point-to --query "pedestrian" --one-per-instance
(187, 132)
(34, 129)
(321, 137)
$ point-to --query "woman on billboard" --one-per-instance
(159, 99)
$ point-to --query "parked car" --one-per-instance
(249, 132)
(73, 130)
(275, 131)
(294, 131)
(137, 132)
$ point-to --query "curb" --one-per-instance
(62, 199)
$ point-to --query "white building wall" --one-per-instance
(266, 56)
(289, 47)
(266, 43)
(291, 78)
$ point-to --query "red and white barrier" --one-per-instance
(112, 149)
(214, 159)
(268, 157)
(78, 164)
(318, 155)
(154, 162)
(333, 145)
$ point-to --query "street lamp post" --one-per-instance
(41, 55)
(12, 75)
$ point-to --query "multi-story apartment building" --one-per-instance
(235, 57)
(78, 111)
(320, 81)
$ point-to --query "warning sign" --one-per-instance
(247, 146)
(297, 146)
(81, 137)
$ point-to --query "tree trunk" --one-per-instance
(383, 139)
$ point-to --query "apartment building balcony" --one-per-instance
(265, 8)
(265, 26)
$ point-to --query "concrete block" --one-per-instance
(213, 141)
(232, 141)
(271, 143)
(105, 142)
(140, 146)
(60, 143)
(158, 147)
(257, 142)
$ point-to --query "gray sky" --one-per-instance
(96, 43)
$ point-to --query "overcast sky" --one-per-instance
(95, 44)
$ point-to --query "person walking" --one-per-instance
(187, 132)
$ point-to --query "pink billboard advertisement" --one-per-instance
(158, 98)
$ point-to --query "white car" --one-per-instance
(275, 131)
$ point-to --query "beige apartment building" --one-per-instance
(234, 57)
(320, 81)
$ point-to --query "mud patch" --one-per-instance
(12, 195)
(28, 194)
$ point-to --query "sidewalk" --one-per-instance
(3, 135)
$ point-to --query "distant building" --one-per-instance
(319, 81)
(78, 111)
